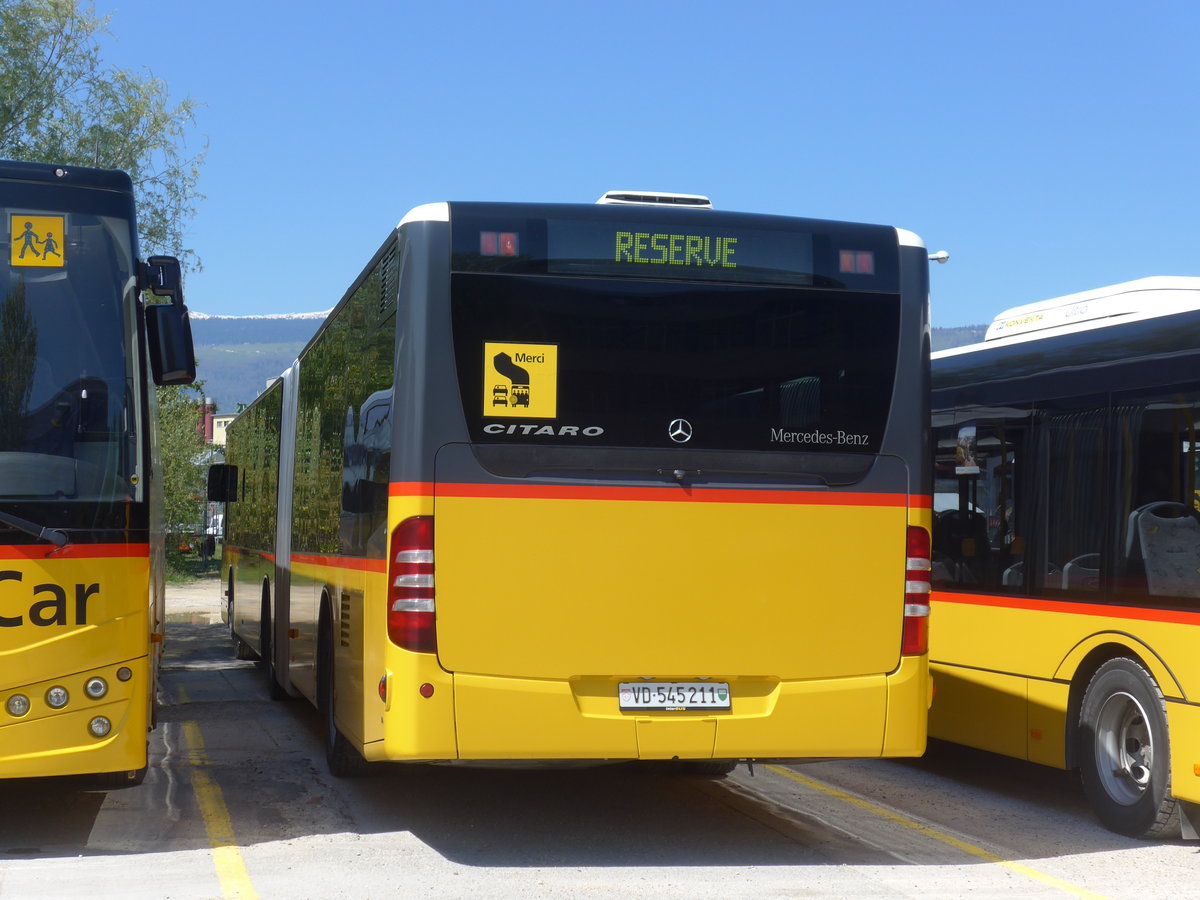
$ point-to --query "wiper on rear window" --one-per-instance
(55, 536)
(752, 467)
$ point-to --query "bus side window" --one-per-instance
(1074, 495)
(1159, 549)
(976, 538)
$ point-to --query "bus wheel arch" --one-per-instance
(266, 645)
(1122, 749)
(241, 650)
(1080, 666)
(343, 759)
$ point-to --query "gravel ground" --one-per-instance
(195, 602)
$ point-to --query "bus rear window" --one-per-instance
(627, 363)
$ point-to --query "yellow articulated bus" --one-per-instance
(634, 480)
(1066, 546)
(81, 586)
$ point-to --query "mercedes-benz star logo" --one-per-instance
(680, 430)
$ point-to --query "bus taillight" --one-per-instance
(410, 620)
(915, 640)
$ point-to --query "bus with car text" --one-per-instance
(81, 546)
(1066, 557)
(631, 480)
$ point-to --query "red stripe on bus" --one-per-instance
(410, 489)
(1072, 607)
(235, 550)
(76, 551)
(668, 493)
(356, 563)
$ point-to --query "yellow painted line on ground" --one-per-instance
(227, 857)
(931, 832)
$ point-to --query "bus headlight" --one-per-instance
(99, 727)
(124, 673)
(17, 705)
(57, 697)
(96, 687)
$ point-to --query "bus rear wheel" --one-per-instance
(343, 759)
(274, 689)
(241, 650)
(1125, 760)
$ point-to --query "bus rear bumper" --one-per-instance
(525, 719)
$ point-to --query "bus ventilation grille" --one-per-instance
(388, 283)
(656, 198)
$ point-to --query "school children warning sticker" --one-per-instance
(36, 240)
(520, 381)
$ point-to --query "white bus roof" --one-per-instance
(1145, 298)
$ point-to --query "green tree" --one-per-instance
(18, 349)
(181, 449)
(59, 103)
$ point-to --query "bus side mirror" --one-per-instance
(168, 329)
(162, 276)
(169, 338)
(222, 483)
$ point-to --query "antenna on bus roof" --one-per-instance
(655, 198)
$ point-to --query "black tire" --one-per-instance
(705, 768)
(241, 650)
(274, 690)
(1124, 751)
(687, 768)
(343, 759)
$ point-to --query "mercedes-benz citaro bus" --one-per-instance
(1066, 571)
(81, 549)
(635, 480)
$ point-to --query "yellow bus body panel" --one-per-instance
(764, 614)
(407, 725)
(102, 630)
(545, 605)
(564, 589)
(1003, 669)
(1183, 720)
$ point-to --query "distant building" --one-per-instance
(219, 424)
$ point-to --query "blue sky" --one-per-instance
(1050, 147)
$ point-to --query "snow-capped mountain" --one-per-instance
(237, 355)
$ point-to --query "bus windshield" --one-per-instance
(65, 309)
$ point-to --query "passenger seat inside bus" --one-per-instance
(1165, 536)
(1014, 575)
(1082, 573)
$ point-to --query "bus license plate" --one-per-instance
(673, 695)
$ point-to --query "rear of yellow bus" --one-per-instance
(665, 495)
(77, 608)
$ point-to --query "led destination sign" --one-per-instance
(675, 249)
(694, 245)
(725, 254)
